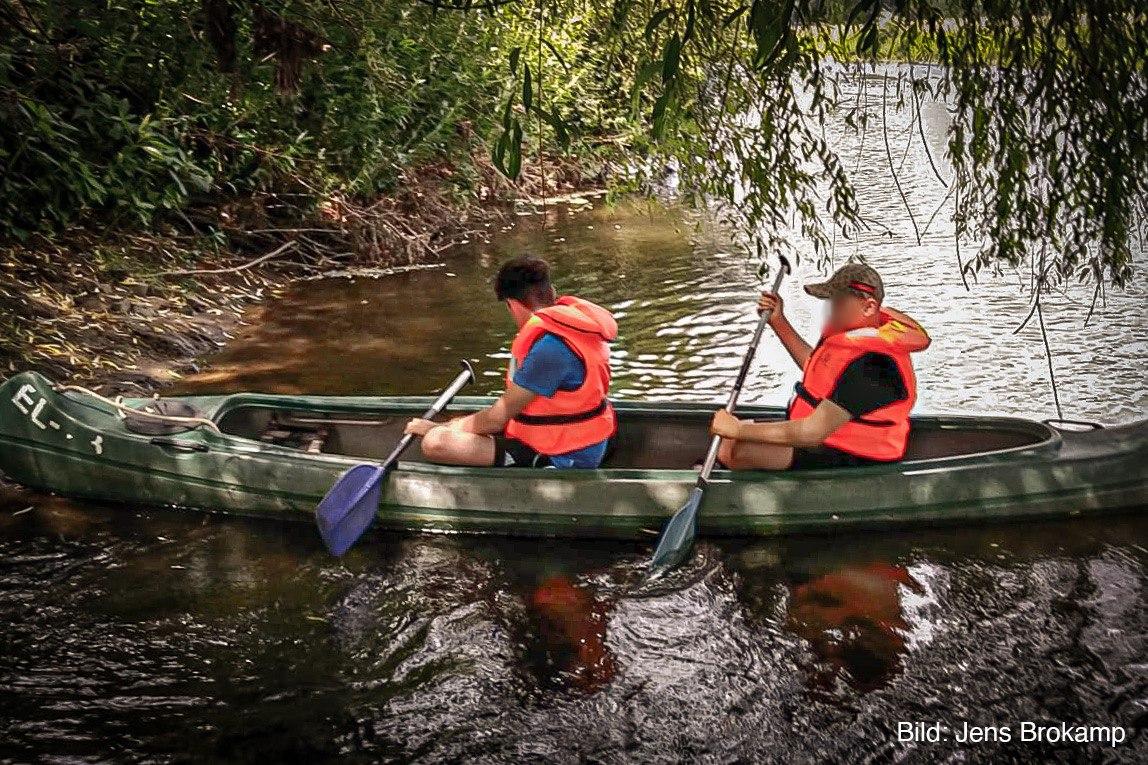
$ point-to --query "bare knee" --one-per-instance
(737, 455)
(436, 445)
(727, 453)
(451, 447)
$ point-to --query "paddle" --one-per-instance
(678, 535)
(351, 504)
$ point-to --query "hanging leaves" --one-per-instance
(671, 57)
(507, 151)
(734, 15)
(866, 44)
(514, 151)
(769, 25)
(650, 70)
(507, 111)
(656, 20)
(556, 123)
(658, 117)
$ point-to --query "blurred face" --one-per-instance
(850, 311)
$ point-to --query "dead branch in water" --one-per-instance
(261, 259)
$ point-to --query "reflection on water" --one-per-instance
(151, 635)
(570, 632)
(854, 621)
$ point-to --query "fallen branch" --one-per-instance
(262, 258)
(295, 231)
(577, 197)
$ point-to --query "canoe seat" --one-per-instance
(309, 438)
(151, 426)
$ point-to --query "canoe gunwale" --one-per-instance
(1049, 439)
(1051, 474)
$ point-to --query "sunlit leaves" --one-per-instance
(1048, 141)
(1048, 144)
(125, 116)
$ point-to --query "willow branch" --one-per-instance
(889, 155)
(261, 259)
(466, 5)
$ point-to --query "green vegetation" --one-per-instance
(135, 109)
(1049, 135)
(140, 111)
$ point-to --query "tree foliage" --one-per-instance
(141, 107)
(135, 110)
(1048, 138)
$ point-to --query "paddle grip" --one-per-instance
(464, 378)
(746, 363)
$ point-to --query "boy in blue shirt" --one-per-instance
(555, 411)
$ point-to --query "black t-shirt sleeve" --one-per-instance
(869, 383)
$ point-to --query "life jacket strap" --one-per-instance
(804, 394)
(562, 419)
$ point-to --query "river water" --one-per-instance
(135, 634)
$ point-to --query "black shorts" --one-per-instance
(819, 457)
(510, 452)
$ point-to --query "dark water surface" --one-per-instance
(148, 635)
(133, 635)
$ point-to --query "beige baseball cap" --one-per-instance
(852, 279)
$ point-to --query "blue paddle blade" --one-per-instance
(349, 507)
(678, 536)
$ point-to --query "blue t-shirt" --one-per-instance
(550, 366)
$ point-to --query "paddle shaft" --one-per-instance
(460, 382)
(746, 362)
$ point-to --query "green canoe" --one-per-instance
(278, 455)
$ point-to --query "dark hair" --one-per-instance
(526, 279)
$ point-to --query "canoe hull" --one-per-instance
(53, 442)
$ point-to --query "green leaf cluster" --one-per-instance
(139, 108)
(130, 111)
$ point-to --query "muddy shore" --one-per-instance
(131, 312)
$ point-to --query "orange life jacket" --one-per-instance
(882, 434)
(570, 419)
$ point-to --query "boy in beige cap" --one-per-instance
(853, 402)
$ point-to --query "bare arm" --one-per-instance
(494, 418)
(793, 342)
(487, 422)
(808, 431)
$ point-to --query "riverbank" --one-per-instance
(132, 311)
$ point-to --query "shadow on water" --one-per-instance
(143, 634)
